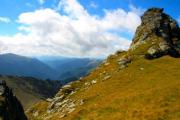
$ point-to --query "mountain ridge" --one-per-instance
(12, 64)
(64, 69)
(141, 83)
(71, 69)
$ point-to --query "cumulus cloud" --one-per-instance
(4, 19)
(71, 32)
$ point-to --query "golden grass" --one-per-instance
(145, 90)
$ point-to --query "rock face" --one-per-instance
(159, 33)
(10, 107)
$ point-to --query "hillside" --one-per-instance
(12, 64)
(30, 90)
(139, 84)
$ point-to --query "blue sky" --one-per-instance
(15, 26)
(171, 6)
(13, 8)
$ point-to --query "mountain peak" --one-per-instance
(158, 35)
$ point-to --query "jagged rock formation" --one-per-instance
(10, 107)
(158, 33)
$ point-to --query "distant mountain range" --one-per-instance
(54, 68)
(70, 69)
(11, 64)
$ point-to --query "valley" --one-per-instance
(59, 68)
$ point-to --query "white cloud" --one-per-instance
(75, 33)
(73, 8)
(5, 19)
(41, 2)
(120, 20)
(138, 11)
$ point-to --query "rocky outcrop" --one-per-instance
(124, 61)
(159, 33)
(10, 107)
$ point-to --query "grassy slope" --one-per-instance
(130, 94)
(30, 90)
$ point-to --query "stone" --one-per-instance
(71, 105)
(2, 90)
(81, 102)
(65, 90)
(141, 69)
(2, 87)
(51, 106)
(59, 98)
(59, 104)
(35, 114)
(107, 77)
(123, 62)
(49, 100)
(48, 111)
(87, 84)
(66, 86)
(72, 92)
(71, 110)
(122, 67)
(93, 82)
(65, 101)
(63, 115)
(164, 46)
(152, 51)
(107, 63)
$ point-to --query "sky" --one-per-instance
(78, 28)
